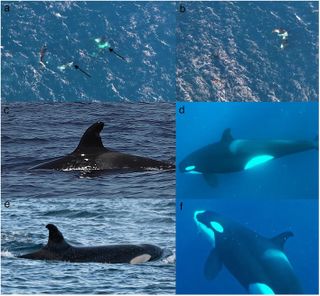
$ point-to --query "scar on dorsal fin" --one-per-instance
(226, 136)
(91, 139)
(281, 238)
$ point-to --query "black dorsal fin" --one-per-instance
(226, 136)
(56, 238)
(280, 239)
(91, 139)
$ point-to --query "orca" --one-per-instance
(91, 155)
(231, 155)
(58, 249)
(258, 263)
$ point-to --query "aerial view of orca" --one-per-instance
(257, 262)
(92, 155)
(58, 249)
(231, 155)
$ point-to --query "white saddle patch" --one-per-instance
(140, 259)
(260, 288)
(235, 145)
(276, 254)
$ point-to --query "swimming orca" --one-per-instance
(231, 155)
(91, 155)
(258, 263)
(58, 249)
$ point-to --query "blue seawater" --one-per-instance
(143, 32)
(267, 218)
(291, 176)
(136, 207)
(226, 51)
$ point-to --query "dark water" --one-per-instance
(216, 51)
(143, 32)
(290, 176)
(89, 210)
(226, 51)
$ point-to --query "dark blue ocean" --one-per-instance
(291, 176)
(267, 218)
(216, 51)
(136, 207)
(226, 51)
(142, 32)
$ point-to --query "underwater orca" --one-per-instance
(58, 249)
(231, 155)
(91, 155)
(258, 263)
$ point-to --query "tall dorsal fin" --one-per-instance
(55, 237)
(91, 139)
(226, 136)
(281, 238)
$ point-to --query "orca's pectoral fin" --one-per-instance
(211, 179)
(280, 239)
(212, 266)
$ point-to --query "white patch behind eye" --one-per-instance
(217, 226)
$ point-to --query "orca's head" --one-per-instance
(210, 223)
(191, 164)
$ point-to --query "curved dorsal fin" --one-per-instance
(226, 136)
(55, 236)
(91, 139)
(280, 239)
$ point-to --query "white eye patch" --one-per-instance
(217, 226)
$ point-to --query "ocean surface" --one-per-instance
(142, 32)
(136, 207)
(293, 176)
(226, 51)
(267, 218)
(216, 51)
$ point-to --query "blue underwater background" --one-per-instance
(292, 176)
(142, 32)
(268, 218)
(89, 209)
(226, 51)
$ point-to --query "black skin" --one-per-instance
(43, 50)
(58, 249)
